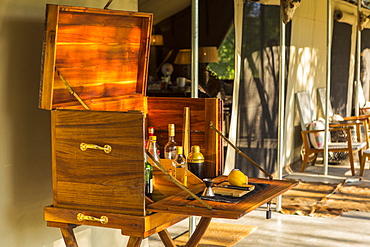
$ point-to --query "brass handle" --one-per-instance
(106, 148)
(82, 217)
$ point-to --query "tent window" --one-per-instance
(365, 62)
(340, 58)
(258, 95)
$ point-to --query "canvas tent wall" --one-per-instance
(307, 67)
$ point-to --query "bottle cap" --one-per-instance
(195, 156)
(151, 130)
(171, 129)
(195, 149)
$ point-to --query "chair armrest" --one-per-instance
(346, 123)
(345, 128)
(361, 118)
(305, 133)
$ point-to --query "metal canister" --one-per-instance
(196, 161)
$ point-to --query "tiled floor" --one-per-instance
(351, 229)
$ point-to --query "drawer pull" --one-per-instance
(103, 219)
(106, 148)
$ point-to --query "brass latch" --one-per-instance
(82, 217)
(84, 146)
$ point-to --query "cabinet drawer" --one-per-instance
(97, 177)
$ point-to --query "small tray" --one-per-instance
(248, 187)
(229, 192)
(231, 199)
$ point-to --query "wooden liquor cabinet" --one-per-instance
(94, 75)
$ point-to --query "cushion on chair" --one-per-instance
(336, 118)
(317, 139)
(366, 109)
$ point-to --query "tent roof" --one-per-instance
(162, 9)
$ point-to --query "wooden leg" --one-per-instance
(360, 155)
(314, 159)
(69, 236)
(199, 232)
(362, 164)
(134, 242)
(304, 163)
(352, 163)
(166, 238)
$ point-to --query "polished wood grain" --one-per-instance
(166, 238)
(163, 184)
(162, 111)
(199, 232)
(130, 225)
(93, 179)
(179, 203)
(69, 237)
(121, 103)
(134, 242)
(213, 141)
(67, 232)
(48, 60)
(101, 54)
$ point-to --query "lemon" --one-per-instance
(237, 178)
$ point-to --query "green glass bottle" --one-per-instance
(152, 148)
(148, 179)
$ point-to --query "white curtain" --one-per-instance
(238, 25)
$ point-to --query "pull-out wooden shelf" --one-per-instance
(169, 211)
(179, 203)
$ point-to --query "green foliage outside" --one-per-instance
(225, 67)
(260, 31)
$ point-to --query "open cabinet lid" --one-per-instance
(96, 53)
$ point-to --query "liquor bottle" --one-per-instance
(148, 179)
(150, 133)
(180, 167)
(171, 146)
(152, 149)
(196, 161)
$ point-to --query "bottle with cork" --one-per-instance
(150, 133)
(170, 149)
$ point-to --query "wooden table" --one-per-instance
(174, 208)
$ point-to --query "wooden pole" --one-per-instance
(186, 132)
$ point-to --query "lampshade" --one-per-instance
(208, 54)
(183, 57)
(157, 40)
